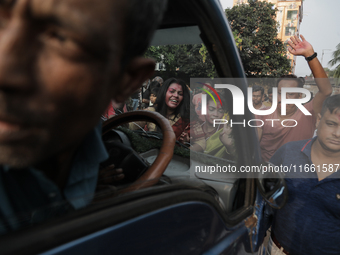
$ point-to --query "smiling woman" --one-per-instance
(173, 102)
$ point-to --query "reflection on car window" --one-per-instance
(182, 61)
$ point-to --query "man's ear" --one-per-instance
(137, 71)
(318, 120)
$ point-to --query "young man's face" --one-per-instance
(270, 98)
(328, 130)
(58, 60)
(290, 108)
(257, 98)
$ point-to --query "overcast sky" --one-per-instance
(320, 26)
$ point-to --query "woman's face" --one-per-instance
(153, 98)
(174, 96)
(213, 112)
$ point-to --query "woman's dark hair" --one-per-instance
(184, 107)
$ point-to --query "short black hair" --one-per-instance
(154, 84)
(331, 103)
(154, 91)
(258, 88)
(291, 77)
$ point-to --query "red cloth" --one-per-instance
(111, 111)
(179, 127)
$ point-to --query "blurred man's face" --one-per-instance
(270, 98)
(58, 60)
(290, 108)
(328, 131)
(257, 98)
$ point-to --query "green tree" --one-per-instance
(191, 59)
(336, 60)
(255, 30)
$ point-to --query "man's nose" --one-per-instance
(16, 53)
(336, 132)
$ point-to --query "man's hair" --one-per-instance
(142, 19)
(258, 88)
(154, 91)
(270, 90)
(331, 103)
(291, 77)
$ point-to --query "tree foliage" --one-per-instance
(336, 60)
(192, 59)
(255, 31)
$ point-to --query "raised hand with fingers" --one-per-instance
(300, 47)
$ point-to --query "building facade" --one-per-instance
(289, 17)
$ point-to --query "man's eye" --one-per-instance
(58, 36)
(62, 43)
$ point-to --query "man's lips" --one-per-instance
(337, 142)
(11, 131)
(8, 127)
